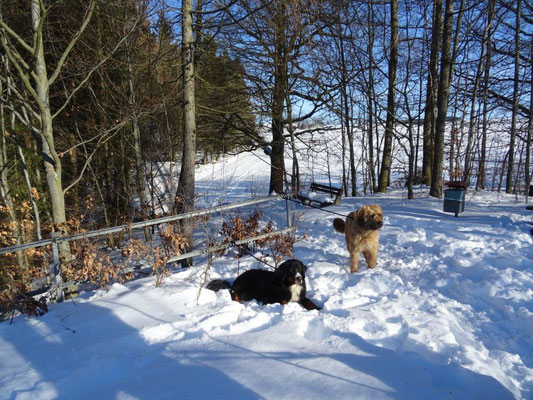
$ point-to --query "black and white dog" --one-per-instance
(285, 284)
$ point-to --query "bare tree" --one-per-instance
(467, 170)
(480, 183)
(184, 201)
(529, 126)
(5, 187)
(370, 98)
(431, 93)
(442, 100)
(384, 175)
(344, 83)
(514, 114)
(273, 41)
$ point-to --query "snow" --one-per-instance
(446, 314)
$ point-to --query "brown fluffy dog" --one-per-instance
(361, 232)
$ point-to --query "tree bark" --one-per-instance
(137, 150)
(277, 169)
(52, 162)
(295, 176)
(442, 101)
(480, 184)
(346, 111)
(384, 175)
(370, 98)
(477, 80)
(428, 134)
(5, 189)
(510, 161)
(184, 201)
(529, 129)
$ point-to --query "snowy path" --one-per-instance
(229, 180)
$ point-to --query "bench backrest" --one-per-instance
(336, 192)
(324, 188)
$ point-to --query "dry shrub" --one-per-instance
(95, 265)
(15, 278)
(240, 229)
(280, 245)
(173, 244)
(14, 289)
(90, 262)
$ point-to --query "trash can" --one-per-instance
(454, 201)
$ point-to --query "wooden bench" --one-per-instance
(334, 192)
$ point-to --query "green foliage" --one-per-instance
(223, 103)
(135, 74)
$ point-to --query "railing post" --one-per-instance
(287, 208)
(60, 296)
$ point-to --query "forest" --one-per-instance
(95, 94)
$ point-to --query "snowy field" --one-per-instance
(446, 314)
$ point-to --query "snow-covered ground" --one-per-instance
(446, 314)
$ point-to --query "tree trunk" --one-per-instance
(431, 94)
(122, 181)
(480, 184)
(29, 187)
(277, 159)
(350, 134)
(370, 98)
(184, 201)
(346, 111)
(384, 175)
(24, 164)
(5, 190)
(137, 151)
(411, 156)
(510, 161)
(295, 176)
(529, 128)
(471, 123)
(343, 140)
(52, 162)
(442, 101)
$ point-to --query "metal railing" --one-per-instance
(55, 239)
(135, 225)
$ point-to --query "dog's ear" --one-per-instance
(360, 216)
(303, 267)
(300, 266)
(377, 209)
(286, 273)
(281, 270)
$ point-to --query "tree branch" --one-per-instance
(72, 43)
(15, 58)
(89, 74)
(14, 35)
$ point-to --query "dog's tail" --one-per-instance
(338, 224)
(218, 284)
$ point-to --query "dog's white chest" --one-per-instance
(296, 291)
